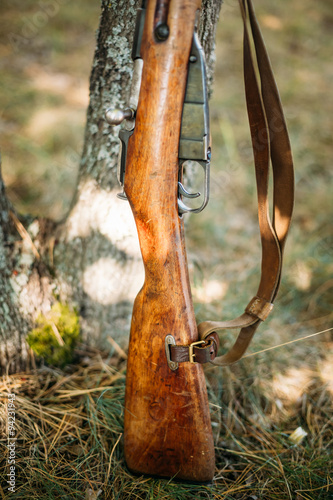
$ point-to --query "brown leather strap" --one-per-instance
(200, 353)
(270, 143)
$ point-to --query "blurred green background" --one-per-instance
(46, 54)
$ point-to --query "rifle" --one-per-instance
(167, 429)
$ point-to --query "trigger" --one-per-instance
(186, 193)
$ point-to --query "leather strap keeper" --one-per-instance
(259, 308)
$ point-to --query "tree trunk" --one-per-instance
(92, 258)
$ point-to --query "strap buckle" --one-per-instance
(191, 354)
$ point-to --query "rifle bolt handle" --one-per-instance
(117, 116)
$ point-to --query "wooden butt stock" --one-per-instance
(167, 421)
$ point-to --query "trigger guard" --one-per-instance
(182, 207)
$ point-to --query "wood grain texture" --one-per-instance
(167, 422)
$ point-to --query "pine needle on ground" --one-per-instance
(70, 426)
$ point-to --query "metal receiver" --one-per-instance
(194, 143)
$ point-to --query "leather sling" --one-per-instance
(270, 143)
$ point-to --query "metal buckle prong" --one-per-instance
(191, 354)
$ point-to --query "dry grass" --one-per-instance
(69, 427)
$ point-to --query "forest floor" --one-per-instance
(70, 421)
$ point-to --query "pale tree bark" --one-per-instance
(92, 258)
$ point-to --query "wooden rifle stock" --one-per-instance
(167, 422)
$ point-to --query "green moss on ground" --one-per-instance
(56, 335)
